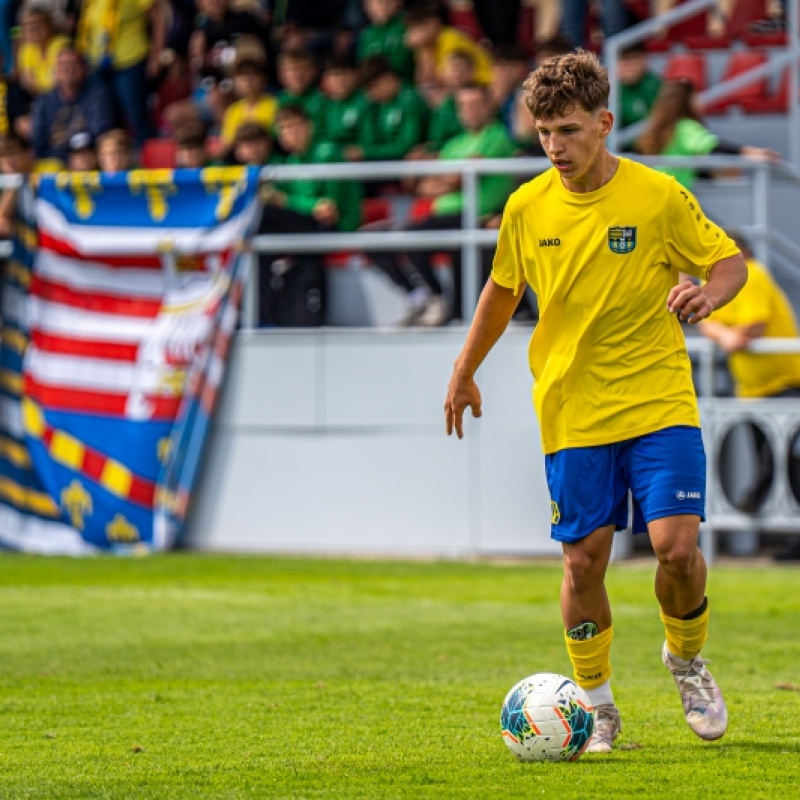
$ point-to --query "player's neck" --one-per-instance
(597, 176)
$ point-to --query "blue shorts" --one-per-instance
(664, 471)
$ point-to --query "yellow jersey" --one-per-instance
(40, 68)
(116, 29)
(761, 301)
(608, 359)
(263, 111)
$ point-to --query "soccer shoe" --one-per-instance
(437, 312)
(702, 700)
(607, 726)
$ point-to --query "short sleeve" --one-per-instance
(693, 242)
(508, 268)
(694, 138)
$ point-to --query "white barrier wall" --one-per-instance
(333, 442)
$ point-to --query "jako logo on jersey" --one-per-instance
(555, 514)
(622, 240)
(549, 242)
(688, 495)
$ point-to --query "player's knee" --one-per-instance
(582, 568)
(679, 557)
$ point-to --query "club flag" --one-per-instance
(120, 299)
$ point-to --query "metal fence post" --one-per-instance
(470, 256)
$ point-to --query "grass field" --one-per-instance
(188, 676)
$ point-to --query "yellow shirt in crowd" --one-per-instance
(761, 301)
(608, 359)
(451, 39)
(262, 111)
(116, 27)
(39, 69)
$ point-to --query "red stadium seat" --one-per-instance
(755, 92)
(687, 66)
(158, 154)
(695, 27)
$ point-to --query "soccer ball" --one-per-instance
(547, 717)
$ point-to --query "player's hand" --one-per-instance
(689, 302)
(461, 392)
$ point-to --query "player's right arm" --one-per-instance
(495, 309)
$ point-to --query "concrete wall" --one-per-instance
(333, 442)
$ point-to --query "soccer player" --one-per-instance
(601, 240)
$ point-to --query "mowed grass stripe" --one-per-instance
(186, 676)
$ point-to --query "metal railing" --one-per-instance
(790, 57)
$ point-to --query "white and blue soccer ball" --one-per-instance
(547, 717)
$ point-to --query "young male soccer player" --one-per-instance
(601, 241)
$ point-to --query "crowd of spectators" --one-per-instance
(88, 84)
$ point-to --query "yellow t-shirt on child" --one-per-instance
(263, 112)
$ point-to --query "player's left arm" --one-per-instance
(694, 303)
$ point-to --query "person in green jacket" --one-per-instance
(398, 117)
(297, 72)
(483, 137)
(638, 84)
(346, 106)
(385, 36)
(302, 207)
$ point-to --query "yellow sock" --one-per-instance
(591, 659)
(685, 637)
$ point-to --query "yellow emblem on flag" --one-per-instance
(77, 502)
(120, 530)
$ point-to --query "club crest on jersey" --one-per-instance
(622, 240)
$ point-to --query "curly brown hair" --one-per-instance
(563, 82)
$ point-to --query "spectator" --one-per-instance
(253, 105)
(190, 146)
(432, 41)
(760, 310)
(483, 137)
(293, 290)
(499, 19)
(252, 145)
(674, 129)
(575, 19)
(297, 72)
(458, 71)
(509, 68)
(15, 159)
(397, 118)
(346, 106)
(114, 152)
(385, 36)
(123, 41)
(15, 107)
(82, 154)
(38, 50)
(71, 107)
(218, 28)
(638, 85)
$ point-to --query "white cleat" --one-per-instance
(607, 726)
(702, 700)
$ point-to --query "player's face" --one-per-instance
(575, 144)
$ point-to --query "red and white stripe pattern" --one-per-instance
(114, 334)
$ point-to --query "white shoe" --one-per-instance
(702, 700)
(607, 726)
(436, 313)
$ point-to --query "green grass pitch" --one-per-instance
(195, 676)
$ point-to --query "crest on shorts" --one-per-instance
(622, 239)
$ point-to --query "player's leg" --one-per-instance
(667, 474)
(588, 629)
(589, 500)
